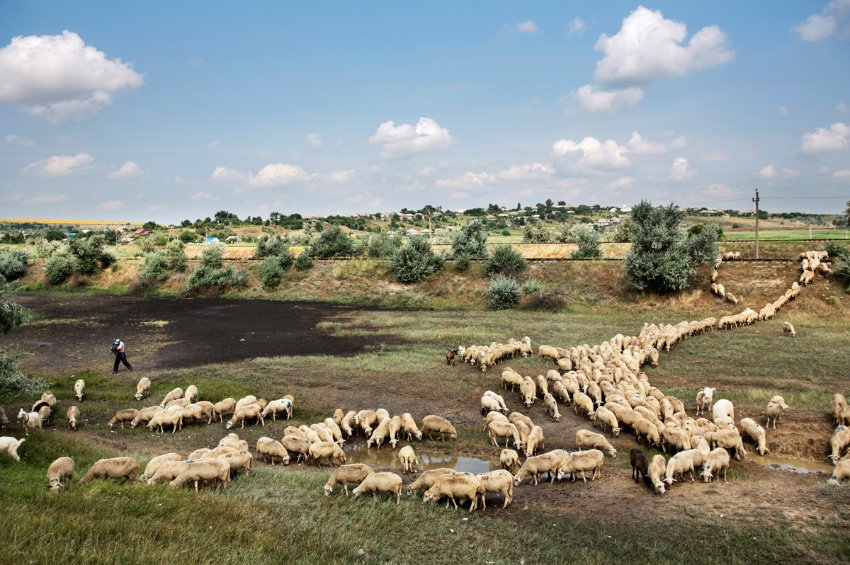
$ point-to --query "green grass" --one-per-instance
(788, 234)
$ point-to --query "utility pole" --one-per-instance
(756, 200)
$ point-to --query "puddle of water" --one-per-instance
(386, 458)
(792, 465)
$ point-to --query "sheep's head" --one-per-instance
(328, 490)
(229, 424)
(615, 431)
(659, 487)
(55, 484)
(453, 435)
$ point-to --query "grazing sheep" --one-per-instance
(326, 450)
(550, 407)
(533, 441)
(238, 461)
(29, 420)
(200, 410)
(496, 481)
(516, 417)
(275, 407)
(494, 416)
(585, 439)
(407, 458)
(381, 433)
(10, 445)
(607, 418)
(647, 429)
(774, 410)
(498, 429)
(173, 395)
(838, 442)
(249, 411)
(844, 416)
(679, 464)
(380, 482)
(271, 448)
(79, 389)
(114, 468)
(729, 439)
(454, 487)
(191, 393)
(723, 407)
(509, 459)
(839, 403)
(178, 403)
(583, 401)
(842, 470)
(498, 398)
(173, 418)
(432, 423)
(704, 398)
(580, 462)
(337, 433)
(657, 468)
(788, 329)
(539, 464)
(224, 408)
(511, 378)
(72, 415)
(61, 470)
(427, 479)
(637, 459)
(296, 445)
(528, 391)
(345, 474)
(143, 387)
(408, 424)
(126, 415)
(548, 351)
(346, 424)
(206, 470)
(154, 464)
(717, 460)
(145, 414)
(167, 471)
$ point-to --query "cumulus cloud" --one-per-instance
(835, 16)
(200, 195)
(637, 145)
(528, 26)
(128, 170)
(278, 174)
(340, 177)
(594, 99)
(681, 170)
(590, 154)
(842, 174)
(649, 47)
(111, 205)
(15, 141)
(576, 25)
(405, 139)
(59, 76)
(526, 172)
(622, 182)
(59, 165)
(226, 174)
(466, 180)
(314, 140)
(47, 199)
(721, 190)
(767, 172)
(822, 139)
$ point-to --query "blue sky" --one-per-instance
(136, 111)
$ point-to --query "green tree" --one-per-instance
(416, 261)
(470, 241)
(505, 260)
(588, 244)
(332, 242)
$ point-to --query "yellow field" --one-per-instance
(63, 222)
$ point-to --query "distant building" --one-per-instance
(140, 231)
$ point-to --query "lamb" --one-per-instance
(407, 458)
(496, 481)
(143, 387)
(455, 486)
(158, 461)
(550, 407)
(838, 442)
(191, 393)
(61, 470)
(489, 404)
(450, 356)
(637, 458)
(145, 414)
(585, 439)
(581, 462)
(533, 441)
(539, 464)
(173, 418)
(704, 398)
(345, 474)
(509, 459)
(842, 470)
(249, 411)
(29, 420)
(729, 439)
(173, 395)
(657, 468)
(275, 407)
(10, 445)
(839, 403)
(427, 479)
(271, 448)
(788, 329)
(114, 468)
(498, 429)
(717, 460)
(167, 471)
(199, 410)
(432, 423)
(126, 415)
(679, 464)
(774, 410)
(72, 415)
(205, 470)
(79, 389)
(723, 407)
(223, 408)
(380, 482)
(605, 417)
(326, 450)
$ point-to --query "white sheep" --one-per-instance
(114, 468)
(246, 412)
(155, 463)
(326, 450)
(73, 414)
(774, 410)
(498, 429)
(717, 460)
(239, 461)
(432, 423)
(656, 469)
(752, 429)
(585, 439)
(216, 470)
(168, 471)
(275, 407)
(581, 400)
(79, 389)
(788, 329)
(408, 424)
(454, 487)
(143, 387)
(296, 445)
(842, 470)
(511, 378)
(679, 464)
(174, 394)
(427, 479)
(380, 482)
(191, 393)
(838, 442)
(538, 464)
(581, 462)
(496, 481)
(705, 397)
(550, 407)
(125, 415)
(345, 474)
(29, 420)
(407, 458)
(607, 418)
(10, 445)
(270, 448)
(173, 418)
(528, 390)
(380, 434)
(723, 407)
(729, 439)
(501, 401)
(533, 441)
(839, 403)
(59, 471)
(509, 459)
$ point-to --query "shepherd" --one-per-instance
(120, 355)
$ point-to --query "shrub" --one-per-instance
(703, 243)
(87, 254)
(303, 261)
(271, 272)
(58, 268)
(154, 270)
(13, 264)
(588, 245)
(531, 286)
(505, 260)
(471, 241)
(837, 250)
(13, 382)
(107, 259)
(213, 256)
(206, 279)
(271, 245)
(11, 313)
(536, 234)
(188, 237)
(332, 242)
(175, 253)
(383, 245)
(461, 264)
(416, 261)
(502, 293)
(550, 300)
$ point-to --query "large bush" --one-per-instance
(839, 254)
(212, 256)
(175, 253)
(11, 313)
(271, 273)
(505, 260)
(503, 293)
(303, 261)
(837, 250)
(58, 268)
(470, 241)
(383, 245)
(588, 244)
(13, 382)
(416, 261)
(332, 242)
(536, 234)
(269, 245)
(13, 263)
(154, 270)
(88, 254)
(207, 280)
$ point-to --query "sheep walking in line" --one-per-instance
(174, 394)
(126, 415)
(61, 470)
(657, 468)
(10, 445)
(587, 439)
(581, 462)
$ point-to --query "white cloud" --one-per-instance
(226, 174)
(16, 141)
(650, 47)
(340, 177)
(822, 139)
(527, 26)
(639, 146)
(59, 165)
(816, 27)
(721, 190)
(842, 174)
(783, 111)
(407, 139)
(590, 154)
(59, 76)
(278, 174)
(526, 172)
(199, 196)
(467, 180)
(767, 172)
(593, 99)
(111, 205)
(576, 25)
(681, 170)
(47, 199)
(790, 173)
(128, 170)
(314, 140)
(842, 108)
(212, 144)
(622, 182)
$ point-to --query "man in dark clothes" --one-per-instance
(120, 355)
